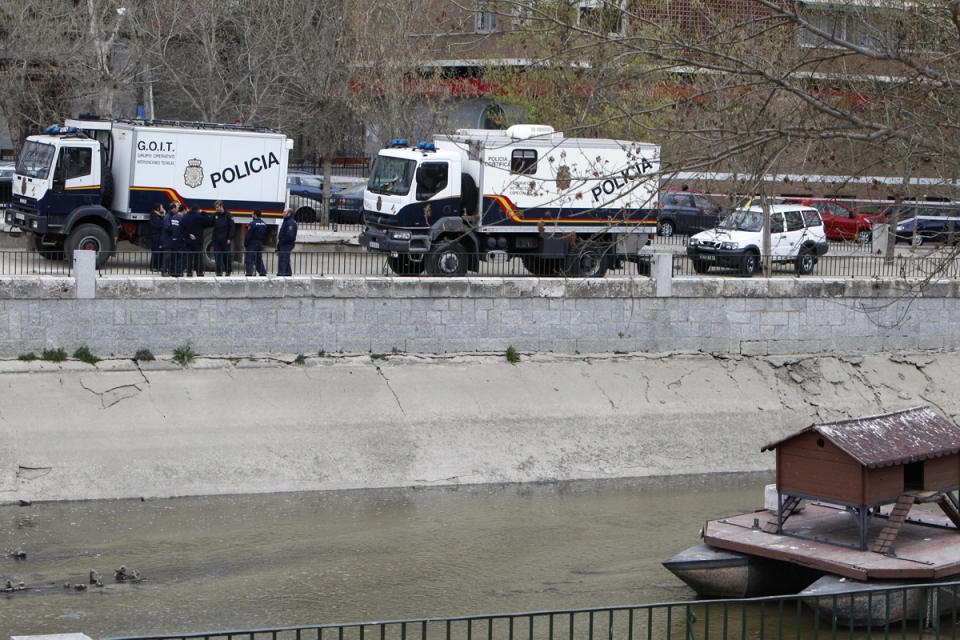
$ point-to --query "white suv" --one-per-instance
(796, 236)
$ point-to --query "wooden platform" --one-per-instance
(927, 546)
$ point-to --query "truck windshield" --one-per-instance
(35, 159)
(743, 220)
(391, 175)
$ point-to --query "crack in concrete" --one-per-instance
(604, 392)
(116, 393)
(395, 396)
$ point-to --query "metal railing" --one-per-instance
(914, 612)
(28, 263)
(361, 263)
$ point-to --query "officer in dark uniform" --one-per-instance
(223, 230)
(253, 243)
(156, 237)
(286, 239)
(167, 241)
(177, 245)
(194, 222)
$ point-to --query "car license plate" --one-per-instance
(374, 244)
(20, 217)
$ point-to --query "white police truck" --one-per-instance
(93, 182)
(563, 206)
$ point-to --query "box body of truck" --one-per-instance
(561, 205)
(94, 182)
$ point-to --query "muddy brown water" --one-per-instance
(257, 561)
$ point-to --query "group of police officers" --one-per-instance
(177, 241)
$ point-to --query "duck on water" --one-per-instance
(852, 510)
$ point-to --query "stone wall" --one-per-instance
(430, 315)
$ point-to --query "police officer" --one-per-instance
(177, 245)
(156, 237)
(167, 241)
(194, 222)
(253, 243)
(286, 239)
(223, 230)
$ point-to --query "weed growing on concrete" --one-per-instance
(321, 353)
(184, 355)
(377, 356)
(144, 355)
(54, 355)
(513, 356)
(300, 359)
(27, 357)
(396, 351)
(83, 354)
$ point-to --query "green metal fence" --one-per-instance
(879, 613)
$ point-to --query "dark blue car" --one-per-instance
(306, 195)
(921, 225)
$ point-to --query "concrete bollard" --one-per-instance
(878, 238)
(85, 274)
(55, 636)
(661, 270)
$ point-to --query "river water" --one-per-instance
(256, 561)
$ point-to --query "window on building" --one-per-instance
(486, 17)
(601, 16)
(523, 161)
(524, 13)
(863, 26)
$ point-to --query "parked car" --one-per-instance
(306, 195)
(301, 183)
(346, 206)
(840, 221)
(686, 213)
(928, 224)
(796, 236)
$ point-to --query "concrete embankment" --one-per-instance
(224, 426)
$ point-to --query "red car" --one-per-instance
(840, 221)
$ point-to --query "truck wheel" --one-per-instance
(209, 255)
(540, 266)
(644, 265)
(106, 189)
(89, 237)
(50, 252)
(701, 266)
(449, 259)
(587, 261)
(805, 262)
(749, 263)
(305, 214)
(403, 265)
(667, 228)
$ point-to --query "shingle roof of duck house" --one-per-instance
(886, 440)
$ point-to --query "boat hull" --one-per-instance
(718, 573)
(877, 603)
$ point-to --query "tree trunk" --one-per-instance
(327, 186)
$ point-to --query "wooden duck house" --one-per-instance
(864, 463)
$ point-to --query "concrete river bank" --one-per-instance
(514, 487)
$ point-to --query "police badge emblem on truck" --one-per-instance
(193, 176)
